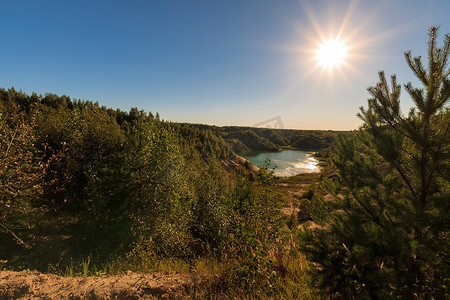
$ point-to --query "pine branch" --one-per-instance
(374, 218)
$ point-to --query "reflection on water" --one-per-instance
(287, 162)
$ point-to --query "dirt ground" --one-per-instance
(292, 190)
(35, 285)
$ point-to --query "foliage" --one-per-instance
(21, 172)
(158, 176)
(386, 231)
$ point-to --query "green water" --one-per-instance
(287, 162)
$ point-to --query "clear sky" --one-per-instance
(233, 62)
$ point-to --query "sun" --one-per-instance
(331, 53)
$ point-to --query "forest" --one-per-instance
(246, 139)
(90, 190)
(128, 191)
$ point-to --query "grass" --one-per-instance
(289, 266)
(292, 189)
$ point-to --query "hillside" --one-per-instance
(246, 139)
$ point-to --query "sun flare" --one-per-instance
(331, 53)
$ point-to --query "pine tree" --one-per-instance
(386, 231)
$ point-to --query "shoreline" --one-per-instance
(306, 163)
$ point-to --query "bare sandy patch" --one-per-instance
(35, 285)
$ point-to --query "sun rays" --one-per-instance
(334, 44)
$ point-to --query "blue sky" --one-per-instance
(214, 62)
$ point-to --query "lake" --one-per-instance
(287, 162)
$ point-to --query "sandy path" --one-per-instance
(35, 285)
